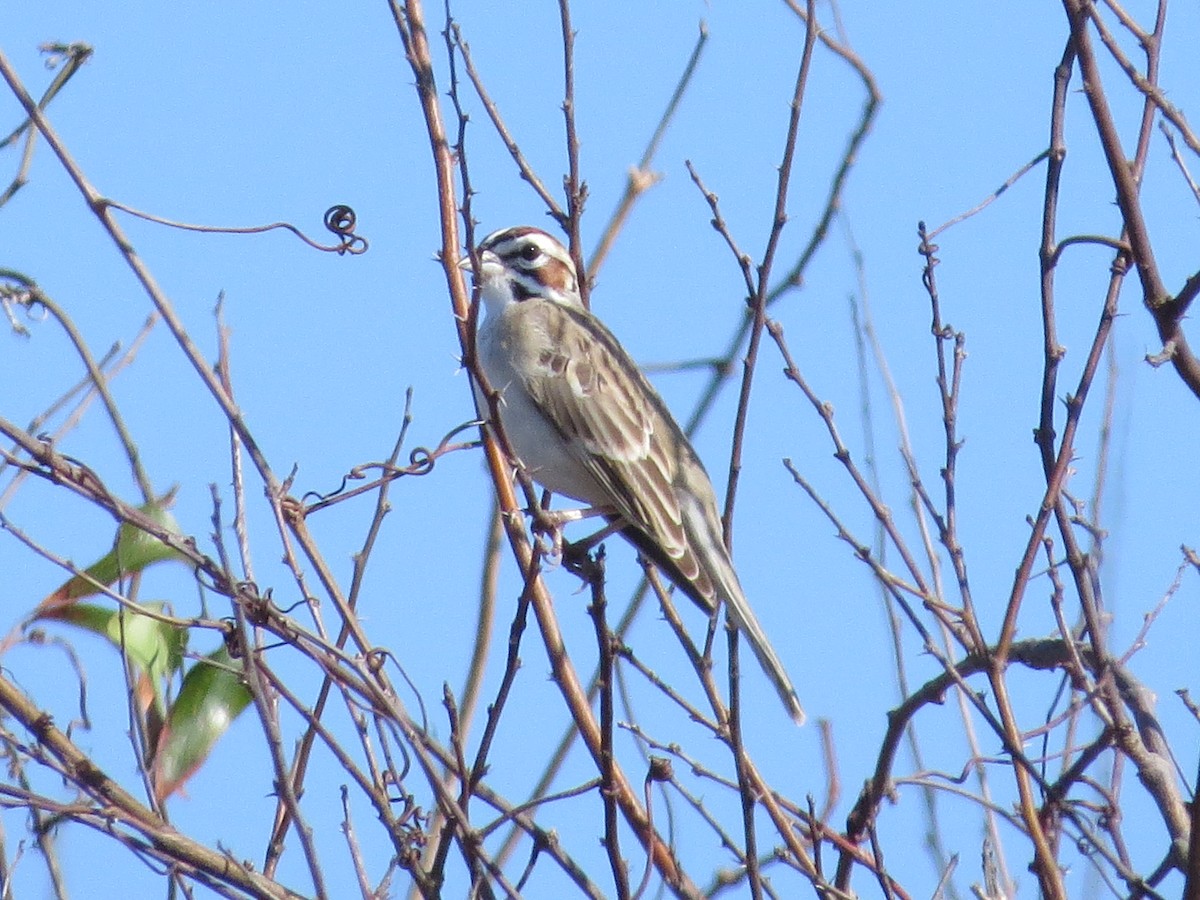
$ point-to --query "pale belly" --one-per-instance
(537, 443)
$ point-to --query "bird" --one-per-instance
(584, 422)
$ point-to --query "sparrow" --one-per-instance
(584, 422)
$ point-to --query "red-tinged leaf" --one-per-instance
(212, 696)
(133, 551)
(87, 616)
(154, 648)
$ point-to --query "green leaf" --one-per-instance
(133, 550)
(154, 648)
(212, 696)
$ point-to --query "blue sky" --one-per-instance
(245, 115)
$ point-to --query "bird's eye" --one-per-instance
(530, 252)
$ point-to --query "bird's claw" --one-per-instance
(549, 539)
(548, 530)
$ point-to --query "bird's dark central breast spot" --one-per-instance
(521, 291)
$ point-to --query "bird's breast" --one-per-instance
(508, 351)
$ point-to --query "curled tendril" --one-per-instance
(12, 297)
(420, 462)
(57, 53)
(20, 291)
(341, 220)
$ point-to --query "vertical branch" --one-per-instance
(575, 189)
(1162, 306)
(1053, 351)
(640, 177)
(409, 20)
(1191, 885)
(949, 384)
(299, 767)
(591, 570)
(758, 300)
(268, 715)
(746, 793)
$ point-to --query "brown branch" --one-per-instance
(576, 190)
(640, 178)
(409, 18)
(102, 210)
(489, 105)
(1155, 296)
(591, 570)
(1038, 655)
(113, 800)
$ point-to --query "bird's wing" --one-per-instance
(616, 425)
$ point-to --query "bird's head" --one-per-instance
(525, 263)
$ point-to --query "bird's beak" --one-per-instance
(488, 262)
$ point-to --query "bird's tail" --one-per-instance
(748, 624)
(704, 536)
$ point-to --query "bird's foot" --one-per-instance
(548, 530)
